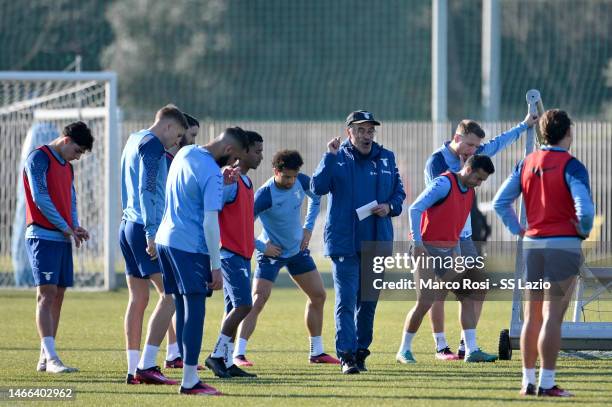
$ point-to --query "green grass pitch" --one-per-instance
(91, 338)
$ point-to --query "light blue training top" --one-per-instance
(143, 180)
(279, 211)
(195, 186)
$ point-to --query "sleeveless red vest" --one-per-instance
(236, 222)
(548, 200)
(59, 184)
(442, 223)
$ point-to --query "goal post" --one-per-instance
(54, 99)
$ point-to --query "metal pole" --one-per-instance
(439, 61)
(491, 45)
(111, 179)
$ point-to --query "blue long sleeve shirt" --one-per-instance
(279, 211)
(445, 159)
(577, 178)
(36, 168)
(143, 180)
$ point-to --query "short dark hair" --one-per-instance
(253, 137)
(238, 135)
(191, 121)
(469, 126)
(287, 159)
(173, 113)
(478, 161)
(554, 125)
(80, 134)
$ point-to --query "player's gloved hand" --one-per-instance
(217, 281)
(307, 234)
(151, 249)
(381, 210)
(530, 120)
(272, 250)
(334, 145)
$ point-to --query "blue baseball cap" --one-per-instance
(361, 116)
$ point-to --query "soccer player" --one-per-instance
(52, 220)
(283, 242)
(173, 353)
(436, 237)
(557, 197)
(188, 241)
(193, 127)
(354, 173)
(143, 182)
(466, 141)
(237, 243)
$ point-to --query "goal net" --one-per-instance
(34, 108)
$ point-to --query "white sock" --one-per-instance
(190, 376)
(219, 350)
(172, 351)
(241, 348)
(407, 342)
(132, 359)
(316, 345)
(48, 344)
(529, 376)
(440, 340)
(469, 336)
(547, 378)
(42, 356)
(229, 354)
(149, 357)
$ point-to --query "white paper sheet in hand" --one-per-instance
(365, 210)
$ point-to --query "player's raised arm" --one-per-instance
(506, 138)
(322, 179)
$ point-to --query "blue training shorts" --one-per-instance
(183, 272)
(133, 243)
(552, 265)
(236, 282)
(51, 262)
(269, 267)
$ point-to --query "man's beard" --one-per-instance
(222, 161)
